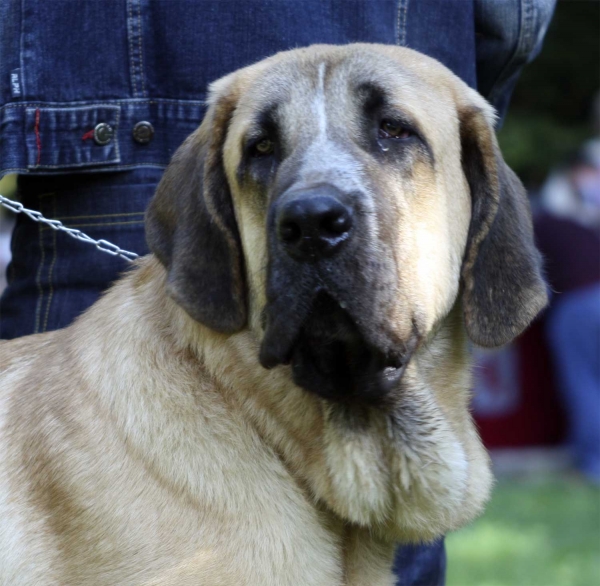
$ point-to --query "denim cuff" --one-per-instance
(49, 138)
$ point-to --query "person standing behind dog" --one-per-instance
(95, 97)
(568, 234)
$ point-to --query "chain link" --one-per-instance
(103, 245)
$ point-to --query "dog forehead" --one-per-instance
(318, 85)
(299, 69)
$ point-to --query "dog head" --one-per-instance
(337, 201)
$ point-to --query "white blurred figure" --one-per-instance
(568, 234)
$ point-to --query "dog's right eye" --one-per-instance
(263, 147)
(394, 129)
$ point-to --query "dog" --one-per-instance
(279, 393)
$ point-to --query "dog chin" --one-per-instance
(331, 358)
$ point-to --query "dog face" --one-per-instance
(338, 200)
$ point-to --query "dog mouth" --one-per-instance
(331, 358)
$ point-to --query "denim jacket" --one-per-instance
(67, 67)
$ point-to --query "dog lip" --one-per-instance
(274, 351)
(281, 334)
(269, 356)
(369, 381)
(332, 357)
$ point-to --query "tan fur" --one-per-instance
(140, 447)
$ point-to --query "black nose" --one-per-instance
(313, 224)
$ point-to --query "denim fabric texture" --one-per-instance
(509, 35)
(67, 66)
(53, 278)
(421, 565)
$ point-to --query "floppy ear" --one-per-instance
(504, 288)
(191, 228)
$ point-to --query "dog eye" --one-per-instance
(265, 146)
(393, 129)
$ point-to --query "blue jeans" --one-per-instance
(573, 328)
(53, 278)
(74, 65)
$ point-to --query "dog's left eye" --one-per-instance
(394, 129)
(265, 146)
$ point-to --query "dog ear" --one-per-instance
(502, 270)
(191, 227)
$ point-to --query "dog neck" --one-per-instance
(409, 473)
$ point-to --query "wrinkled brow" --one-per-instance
(265, 121)
(377, 100)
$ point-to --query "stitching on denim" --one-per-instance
(142, 73)
(117, 148)
(38, 279)
(134, 166)
(117, 167)
(90, 107)
(22, 51)
(107, 104)
(38, 139)
(131, 61)
(50, 270)
(116, 111)
(516, 54)
(398, 22)
(112, 167)
(100, 216)
(114, 159)
(528, 43)
(401, 22)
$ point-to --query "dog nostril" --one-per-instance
(336, 224)
(289, 232)
(313, 224)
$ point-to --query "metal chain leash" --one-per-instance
(103, 245)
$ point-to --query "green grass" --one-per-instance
(531, 535)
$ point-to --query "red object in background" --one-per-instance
(516, 403)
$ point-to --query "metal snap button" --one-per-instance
(103, 133)
(143, 132)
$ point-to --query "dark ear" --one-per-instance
(502, 270)
(191, 228)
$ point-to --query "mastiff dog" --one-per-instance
(279, 393)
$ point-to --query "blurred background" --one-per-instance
(537, 401)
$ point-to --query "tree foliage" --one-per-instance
(552, 107)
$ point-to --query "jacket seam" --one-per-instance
(131, 50)
(522, 48)
(401, 22)
(110, 104)
(141, 49)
